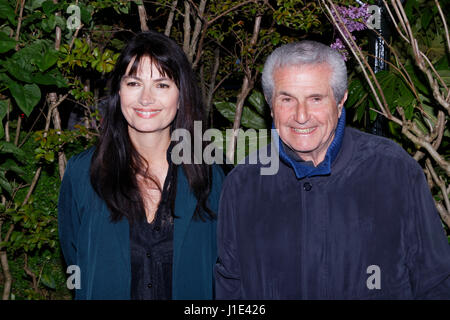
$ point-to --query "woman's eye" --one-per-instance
(162, 85)
(132, 84)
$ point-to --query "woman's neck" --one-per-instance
(152, 146)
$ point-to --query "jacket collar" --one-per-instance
(303, 169)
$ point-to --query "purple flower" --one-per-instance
(354, 18)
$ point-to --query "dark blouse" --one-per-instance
(151, 247)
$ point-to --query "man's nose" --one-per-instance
(146, 97)
(301, 113)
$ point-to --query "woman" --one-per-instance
(137, 225)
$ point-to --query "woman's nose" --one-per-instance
(146, 98)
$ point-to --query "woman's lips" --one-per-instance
(146, 114)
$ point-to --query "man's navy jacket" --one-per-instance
(367, 230)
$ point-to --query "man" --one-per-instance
(348, 215)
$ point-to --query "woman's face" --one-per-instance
(149, 100)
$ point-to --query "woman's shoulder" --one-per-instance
(80, 163)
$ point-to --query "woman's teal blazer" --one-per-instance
(101, 249)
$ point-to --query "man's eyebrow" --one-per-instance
(284, 93)
(317, 95)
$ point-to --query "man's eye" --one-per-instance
(286, 99)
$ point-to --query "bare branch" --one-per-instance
(19, 23)
(407, 126)
(142, 17)
(419, 57)
(445, 214)
(57, 30)
(170, 18)
(75, 35)
(187, 27)
(197, 28)
(212, 80)
(7, 274)
(444, 22)
(229, 10)
(247, 86)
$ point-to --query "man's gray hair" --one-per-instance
(305, 52)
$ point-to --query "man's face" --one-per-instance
(304, 109)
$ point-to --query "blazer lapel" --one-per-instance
(185, 204)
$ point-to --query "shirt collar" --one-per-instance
(303, 169)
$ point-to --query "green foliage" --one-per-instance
(82, 55)
(53, 141)
(297, 14)
(250, 118)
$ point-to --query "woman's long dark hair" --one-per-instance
(116, 163)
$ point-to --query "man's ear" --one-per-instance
(341, 103)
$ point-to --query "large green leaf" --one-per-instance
(418, 83)
(11, 165)
(4, 183)
(48, 59)
(7, 12)
(6, 43)
(227, 109)
(355, 92)
(257, 100)
(20, 69)
(3, 111)
(49, 7)
(48, 281)
(445, 75)
(53, 77)
(249, 118)
(8, 147)
(36, 4)
(27, 96)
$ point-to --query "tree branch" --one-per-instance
(170, 18)
(229, 10)
(406, 126)
(445, 213)
(212, 80)
(247, 86)
(142, 17)
(19, 23)
(187, 27)
(197, 28)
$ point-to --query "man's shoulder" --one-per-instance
(252, 164)
(370, 146)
